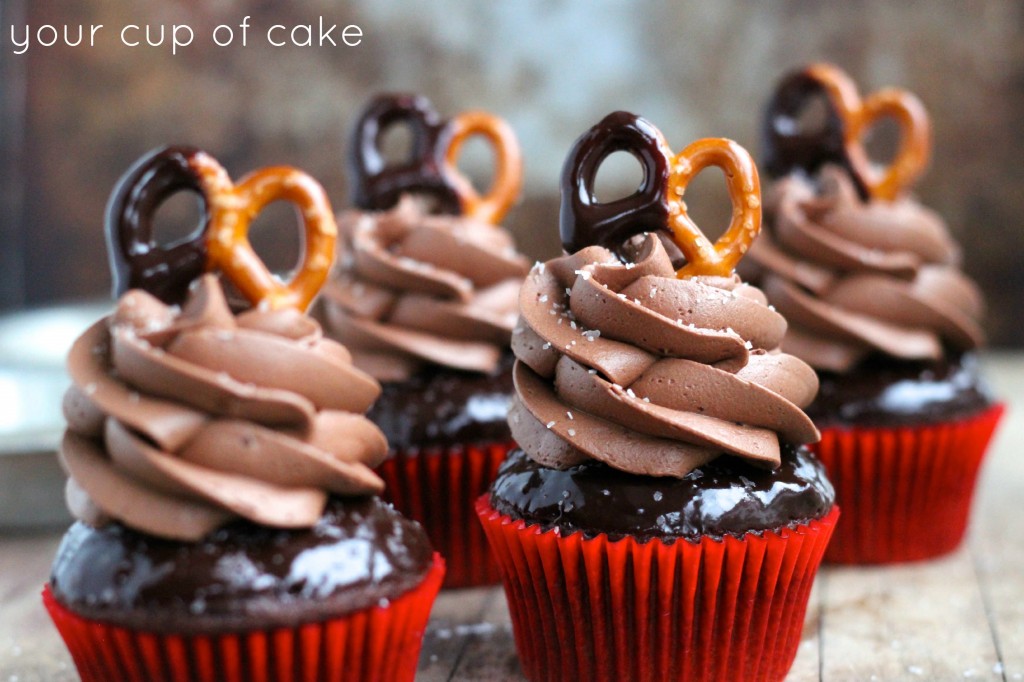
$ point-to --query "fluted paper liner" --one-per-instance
(438, 486)
(596, 609)
(378, 643)
(905, 492)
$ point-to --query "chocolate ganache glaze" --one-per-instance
(724, 496)
(649, 373)
(244, 575)
(414, 291)
(857, 279)
(442, 407)
(180, 421)
(893, 393)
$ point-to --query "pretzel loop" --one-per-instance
(508, 177)
(720, 258)
(136, 260)
(911, 156)
(840, 140)
(232, 209)
(583, 220)
(377, 185)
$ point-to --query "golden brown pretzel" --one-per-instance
(657, 204)
(703, 257)
(232, 208)
(860, 114)
(508, 176)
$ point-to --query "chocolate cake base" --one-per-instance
(242, 576)
(885, 392)
(725, 496)
(444, 407)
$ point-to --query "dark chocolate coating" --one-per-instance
(789, 149)
(376, 186)
(726, 495)
(242, 576)
(444, 407)
(583, 221)
(136, 260)
(883, 392)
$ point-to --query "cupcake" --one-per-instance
(425, 297)
(870, 282)
(221, 467)
(661, 517)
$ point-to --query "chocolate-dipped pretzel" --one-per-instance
(431, 168)
(136, 260)
(657, 204)
(583, 221)
(839, 140)
(220, 242)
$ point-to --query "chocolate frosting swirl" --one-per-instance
(182, 420)
(415, 289)
(652, 374)
(855, 278)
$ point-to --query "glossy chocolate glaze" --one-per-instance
(727, 495)
(887, 392)
(136, 260)
(444, 407)
(583, 221)
(377, 185)
(242, 576)
(789, 147)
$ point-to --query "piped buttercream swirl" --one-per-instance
(413, 289)
(652, 374)
(855, 278)
(182, 420)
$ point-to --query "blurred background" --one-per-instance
(72, 119)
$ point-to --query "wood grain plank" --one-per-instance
(997, 529)
(490, 654)
(30, 648)
(456, 615)
(922, 621)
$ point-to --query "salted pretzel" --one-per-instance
(432, 166)
(221, 240)
(657, 204)
(839, 140)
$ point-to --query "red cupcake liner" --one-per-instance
(596, 609)
(437, 486)
(379, 643)
(906, 492)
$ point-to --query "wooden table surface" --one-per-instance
(961, 617)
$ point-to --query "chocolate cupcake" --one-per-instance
(425, 297)
(221, 467)
(871, 284)
(662, 518)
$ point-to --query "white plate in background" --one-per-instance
(33, 346)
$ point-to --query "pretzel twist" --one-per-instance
(658, 204)
(431, 168)
(720, 258)
(221, 240)
(840, 141)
